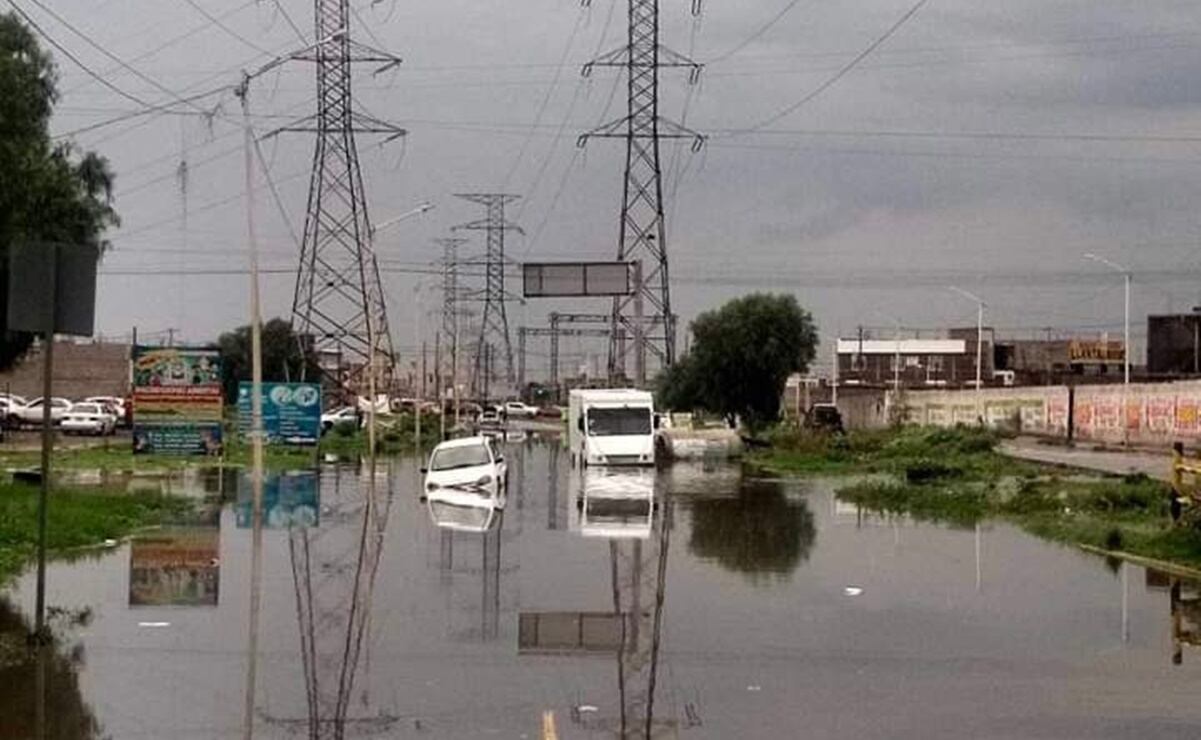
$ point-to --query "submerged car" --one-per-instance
(470, 464)
(466, 484)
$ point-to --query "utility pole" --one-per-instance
(338, 304)
(1125, 273)
(642, 237)
(980, 305)
(494, 326)
(450, 312)
(521, 357)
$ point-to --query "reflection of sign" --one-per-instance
(291, 411)
(1083, 352)
(569, 632)
(175, 567)
(177, 401)
(542, 280)
(289, 500)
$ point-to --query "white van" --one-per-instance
(613, 426)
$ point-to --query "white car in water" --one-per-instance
(471, 465)
(89, 418)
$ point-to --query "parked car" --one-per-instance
(489, 417)
(824, 417)
(331, 419)
(468, 465)
(89, 418)
(31, 413)
(115, 404)
(519, 410)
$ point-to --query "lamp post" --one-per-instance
(980, 304)
(421, 208)
(1125, 273)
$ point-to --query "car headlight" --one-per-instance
(431, 486)
(484, 480)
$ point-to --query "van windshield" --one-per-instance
(465, 456)
(622, 421)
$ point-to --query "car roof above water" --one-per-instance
(461, 442)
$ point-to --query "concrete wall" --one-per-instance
(1033, 410)
(80, 370)
(863, 408)
(1155, 414)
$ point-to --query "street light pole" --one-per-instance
(1125, 273)
(980, 304)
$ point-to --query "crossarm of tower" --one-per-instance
(483, 225)
(667, 57)
(619, 129)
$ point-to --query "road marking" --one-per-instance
(548, 726)
(154, 624)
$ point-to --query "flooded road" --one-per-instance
(691, 603)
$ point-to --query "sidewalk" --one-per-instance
(1117, 462)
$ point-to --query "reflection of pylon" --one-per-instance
(494, 326)
(639, 582)
(643, 236)
(334, 624)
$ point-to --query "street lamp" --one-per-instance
(1125, 273)
(980, 304)
(372, 339)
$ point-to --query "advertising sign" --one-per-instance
(1098, 352)
(289, 500)
(175, 567)
(291, 412)
(177, 401)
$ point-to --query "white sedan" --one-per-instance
(31, 413)
(466, 484)
(88, 418)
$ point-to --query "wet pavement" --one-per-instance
(727, 608)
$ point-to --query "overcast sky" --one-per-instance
(987, 145)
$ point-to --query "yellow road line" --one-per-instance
(548, 726)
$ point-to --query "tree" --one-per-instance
(48, 191)
(282, 358)
(742, 355)
(761, 533)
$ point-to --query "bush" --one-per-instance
(925, 470)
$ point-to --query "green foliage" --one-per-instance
(77, 518)
(742, 355)
(282, 357)
(960, 505)
(760, 534)
(48, 191)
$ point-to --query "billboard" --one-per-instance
(1095, 352)
(289, 500)
(564, 279)
(175, 567)
(291, 412)
(177, 401)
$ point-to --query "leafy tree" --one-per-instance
(761, 533)
(48, 191)
(742, 355)
(282, 358)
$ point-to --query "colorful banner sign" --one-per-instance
(177, 402)
(289, 500)
(291, 412)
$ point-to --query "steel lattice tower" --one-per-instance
(450, 301)
(494, 324)
(646, 314)
(339, 304)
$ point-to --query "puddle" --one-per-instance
(727, 607)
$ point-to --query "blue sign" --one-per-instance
(289, 500)
(291, 412)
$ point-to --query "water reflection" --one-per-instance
(618, 506)
(41, 696)
(179, 565)
(1184, 609)
(760, 533)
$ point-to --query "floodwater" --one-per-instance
(730, 608)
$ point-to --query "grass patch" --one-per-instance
(76, 518)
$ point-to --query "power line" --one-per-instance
(759, 33)
(842, 72)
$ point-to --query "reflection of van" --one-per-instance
(614, 504)
(611, 427)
